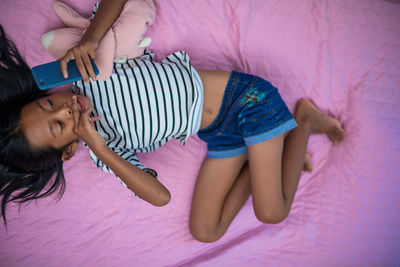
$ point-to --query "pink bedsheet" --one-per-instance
(343, 54)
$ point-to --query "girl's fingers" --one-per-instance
(95, 118)
(92, 54)
(87, 112)
(81, 119)
(81, 66)
(89, 68)
(75, 111)
(85, 116)
(63, 63)
(82, 54)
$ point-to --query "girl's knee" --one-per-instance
(203, 233)
(271, 217)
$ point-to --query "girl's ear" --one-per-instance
(69, 151)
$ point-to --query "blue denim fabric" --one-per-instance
(252, 112)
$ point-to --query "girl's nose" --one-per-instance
(65, 110)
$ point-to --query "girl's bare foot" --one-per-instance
(320, 123)
(307, 167)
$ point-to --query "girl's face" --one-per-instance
(49, 120)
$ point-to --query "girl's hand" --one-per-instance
(106, 14)
(81, 53)
(84, 126)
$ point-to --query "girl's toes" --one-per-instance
(336, 134)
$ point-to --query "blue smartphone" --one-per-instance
(49, 75)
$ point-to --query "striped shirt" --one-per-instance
(145, 103)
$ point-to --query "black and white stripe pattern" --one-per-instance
(145, 103)
(96, 6)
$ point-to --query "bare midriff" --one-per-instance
(214, 83)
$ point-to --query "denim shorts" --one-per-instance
(252, 111)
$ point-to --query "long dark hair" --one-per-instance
(24, 170)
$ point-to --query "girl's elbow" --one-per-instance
(163, 199)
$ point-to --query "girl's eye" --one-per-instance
(61, 125)
(50, 103)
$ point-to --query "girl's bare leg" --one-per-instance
(275, 166)
(223, 185)
(212, 212)
(222, 188)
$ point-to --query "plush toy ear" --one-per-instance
(69, 16)
(58, 42)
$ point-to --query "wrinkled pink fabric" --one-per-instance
(344, 55)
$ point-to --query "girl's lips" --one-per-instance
(81, 104)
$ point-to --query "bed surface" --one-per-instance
(344, 55)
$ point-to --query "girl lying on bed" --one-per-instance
(255, 146)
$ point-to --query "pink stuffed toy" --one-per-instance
(125, 39)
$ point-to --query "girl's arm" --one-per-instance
(139, 181)
(143, 184)
(107, 13)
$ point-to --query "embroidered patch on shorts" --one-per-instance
(252, 97)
